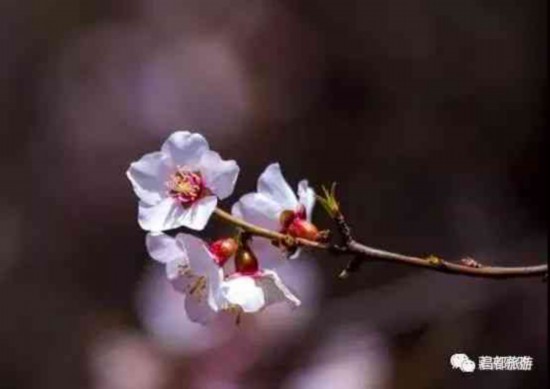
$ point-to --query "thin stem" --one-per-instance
(265, 233)
(358, 250)
(451, 267)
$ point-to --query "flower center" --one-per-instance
(185, 186)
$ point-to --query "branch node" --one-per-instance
(434, 260)
(324, 236)
(348, 245)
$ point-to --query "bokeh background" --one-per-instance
(431, 116)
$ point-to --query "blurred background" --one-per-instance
(430, 115)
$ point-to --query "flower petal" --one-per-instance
(273, 185)
(185, 148)
(242, 291)
(269, 256)
(215, 298)
(200, 260)
(219, 175)
(258, 209)
(296, 253)
(159, 217)
(163, 248)
(193, 275)
(148, 176)
(198, 310)
(180, 275)
(196, 216)
(274, 289)
(306, 197)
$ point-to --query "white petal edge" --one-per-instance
(220, 176)
(269, 256)
(200, 260)
(196, 217)
(183, 278)
(215, 298)
(169, 214)
(180, 275)
(258, 209)
(296, 254)
(273, 185)
(198, 310)
(148, 176)
(275, 290)
(185, 148)
(163, 248)
(158, 217)
(306, 196)
(244, 292)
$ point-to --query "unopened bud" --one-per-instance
(286, 218)
(301, 228)
(245, 261)
(223, 249)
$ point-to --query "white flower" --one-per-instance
(273, 197)
(180, 185)
(276, 207)
(191, 269)
(250, 288)
(253, 292)
(212, 285)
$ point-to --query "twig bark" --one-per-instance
(361, 252)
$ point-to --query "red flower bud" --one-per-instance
(223, 249)
(301, 228)
(245, 261)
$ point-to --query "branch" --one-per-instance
(268, 234)
(361, 252)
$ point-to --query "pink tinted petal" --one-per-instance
(162, 247)
(306, 197)
(228, 267)
(169, 214)
(185, 148)
(196, 216)
(273, 185)
(274, 289)
(180, 274)
(148, 176)
(198, 310)
(269, 256)
(219, 175)
(159, 217)
(258, 209)
(200, 260)
(184, 278)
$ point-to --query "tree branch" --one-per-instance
(361, 252)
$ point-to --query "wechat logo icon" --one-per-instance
(462, 362)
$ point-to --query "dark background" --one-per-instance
(430, 115)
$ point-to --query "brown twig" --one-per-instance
(360, 252)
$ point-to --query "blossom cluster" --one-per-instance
(180, 186)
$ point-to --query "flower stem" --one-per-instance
(264, 232)
(358, 250)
